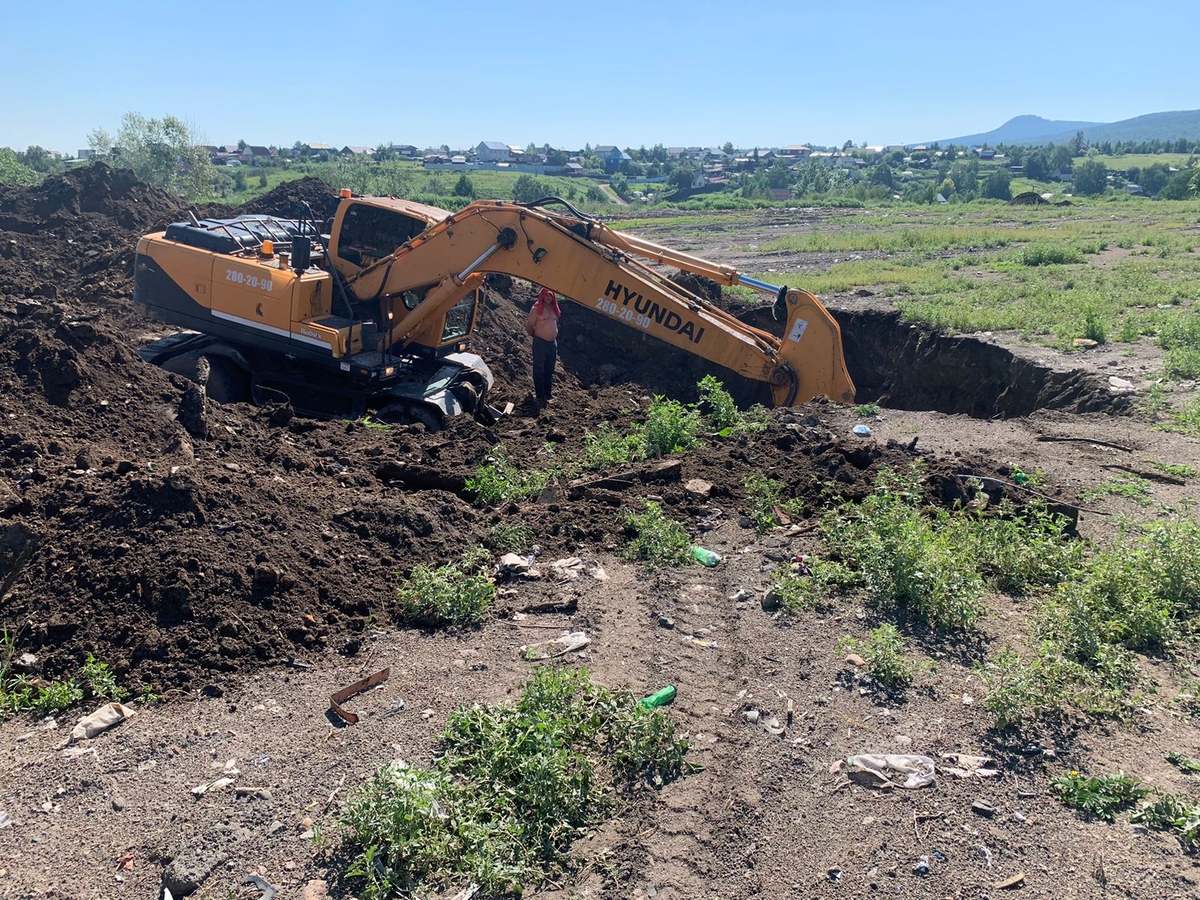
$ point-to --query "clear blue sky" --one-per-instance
(458, 72)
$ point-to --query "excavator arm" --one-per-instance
(612, 273)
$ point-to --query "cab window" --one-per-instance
(370, 233)
(460, 319)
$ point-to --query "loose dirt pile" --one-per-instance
(181, 559)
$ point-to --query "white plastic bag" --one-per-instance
(883, 769)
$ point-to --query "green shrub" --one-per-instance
(1180, 339)
(1102, 796)
(1094, 327)
(1019, 552)
(799, 591)
(511, 789)
(907, 560)
(506, 537)
(670, 427)
(656, 539)
(1176, 813)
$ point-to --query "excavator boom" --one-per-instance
(612, 273)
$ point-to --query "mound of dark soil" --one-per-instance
(1028, 198)
(287, 199)
(181, 541)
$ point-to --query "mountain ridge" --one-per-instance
(1031, 129)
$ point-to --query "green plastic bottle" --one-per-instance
(707, 557)
(658, 698)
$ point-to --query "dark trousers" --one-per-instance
(545, 354)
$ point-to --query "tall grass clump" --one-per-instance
(1180, 338)
(510, 790)
(1049, 255)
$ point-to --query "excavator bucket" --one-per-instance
(812, 348)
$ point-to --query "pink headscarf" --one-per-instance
(547, 296)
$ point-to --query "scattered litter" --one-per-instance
(513, 564)
(566, 643)
(201, 789)
(1009, 883)
(661, 697)
(705, 557)
(772, 725)
(873, 769)
(862, 430)
(855, 660)
(700, 642)
(571, 567)
(751, 716)
(922, 866)
(967, 699)
(125, 863)
(100, 721)
(739, 595)
(6, 820)
(358, 687)
(268, 890)
(964, 766)
(986, 854)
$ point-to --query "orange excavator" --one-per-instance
(374, 312)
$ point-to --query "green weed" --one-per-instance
(670, 427)
(498, 481)
(765, 496)
(1185, 764)
(1175, 813)
(884, 650)
(1175, 470)
(1049, 255)
(907, 560)
(506, 537)
(1185, 420)
(1132, 487)
(1102, 796)
(455, 594)
(19, 693)
(609, 447)
(657, 540)
(801, 592)
(867, 409)
(511, 789)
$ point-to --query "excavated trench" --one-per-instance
(897, 364)
(908, 366)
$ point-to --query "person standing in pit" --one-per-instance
(542, 325)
